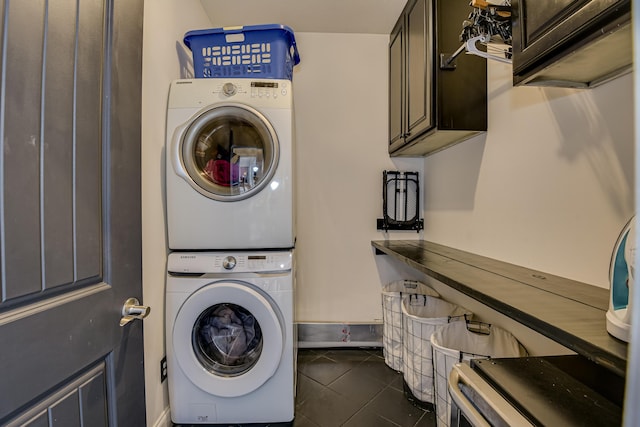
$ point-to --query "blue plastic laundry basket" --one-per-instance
(264, 51)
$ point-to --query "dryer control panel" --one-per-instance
(229, 262)
(269, 89)
(198, 93)
(256, 89)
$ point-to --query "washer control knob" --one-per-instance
(229, 263)
(229, 89)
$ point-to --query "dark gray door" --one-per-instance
(70, 249)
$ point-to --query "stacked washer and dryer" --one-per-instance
(231, 344)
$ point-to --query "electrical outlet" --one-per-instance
(163, 369)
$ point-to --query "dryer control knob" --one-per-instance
(229, 89)
(229, 263)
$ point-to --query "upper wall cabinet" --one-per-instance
(431, 107)
(570, 43)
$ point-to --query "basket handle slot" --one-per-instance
(234, 37)
(411, 284)
(478, 327)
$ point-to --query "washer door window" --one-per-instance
(228, 338)
(230, 152)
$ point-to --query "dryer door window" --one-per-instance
(230, 152)
(227, 339)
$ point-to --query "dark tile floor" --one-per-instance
(353, 388)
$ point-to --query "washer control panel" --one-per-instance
(236, 262)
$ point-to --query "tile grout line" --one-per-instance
(369, 403)
(350, 362)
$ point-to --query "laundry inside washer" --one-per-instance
(228, 339)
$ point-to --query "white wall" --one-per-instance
(341, 104)
(550, 186)
(165, 22)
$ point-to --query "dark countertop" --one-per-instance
(556, 390)
(569, 312)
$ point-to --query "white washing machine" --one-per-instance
(229, 170)
(230, 337)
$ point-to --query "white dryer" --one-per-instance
(230, 337)
(229, 171)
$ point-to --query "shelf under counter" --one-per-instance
(569, 312)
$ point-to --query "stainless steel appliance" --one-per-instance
(535, 391)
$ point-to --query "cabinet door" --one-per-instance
(419, 68)
(544, 28)
(396, 84)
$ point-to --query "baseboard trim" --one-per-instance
(317, 335)
(164, 420)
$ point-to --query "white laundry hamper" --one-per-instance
(422, 316)
(461, 342)
(392, 295)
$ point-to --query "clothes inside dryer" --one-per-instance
(227, 339)
(229, 151)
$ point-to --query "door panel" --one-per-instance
(45, 345)
(396, 85)
(70, 249)
(44, 152)
(419, 68)
(417, 72)
(79, 403)
(57, 144)
(548, 13)
(546, 29)
(87, 181)
(20, 228)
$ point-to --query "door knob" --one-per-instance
(132, 310)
